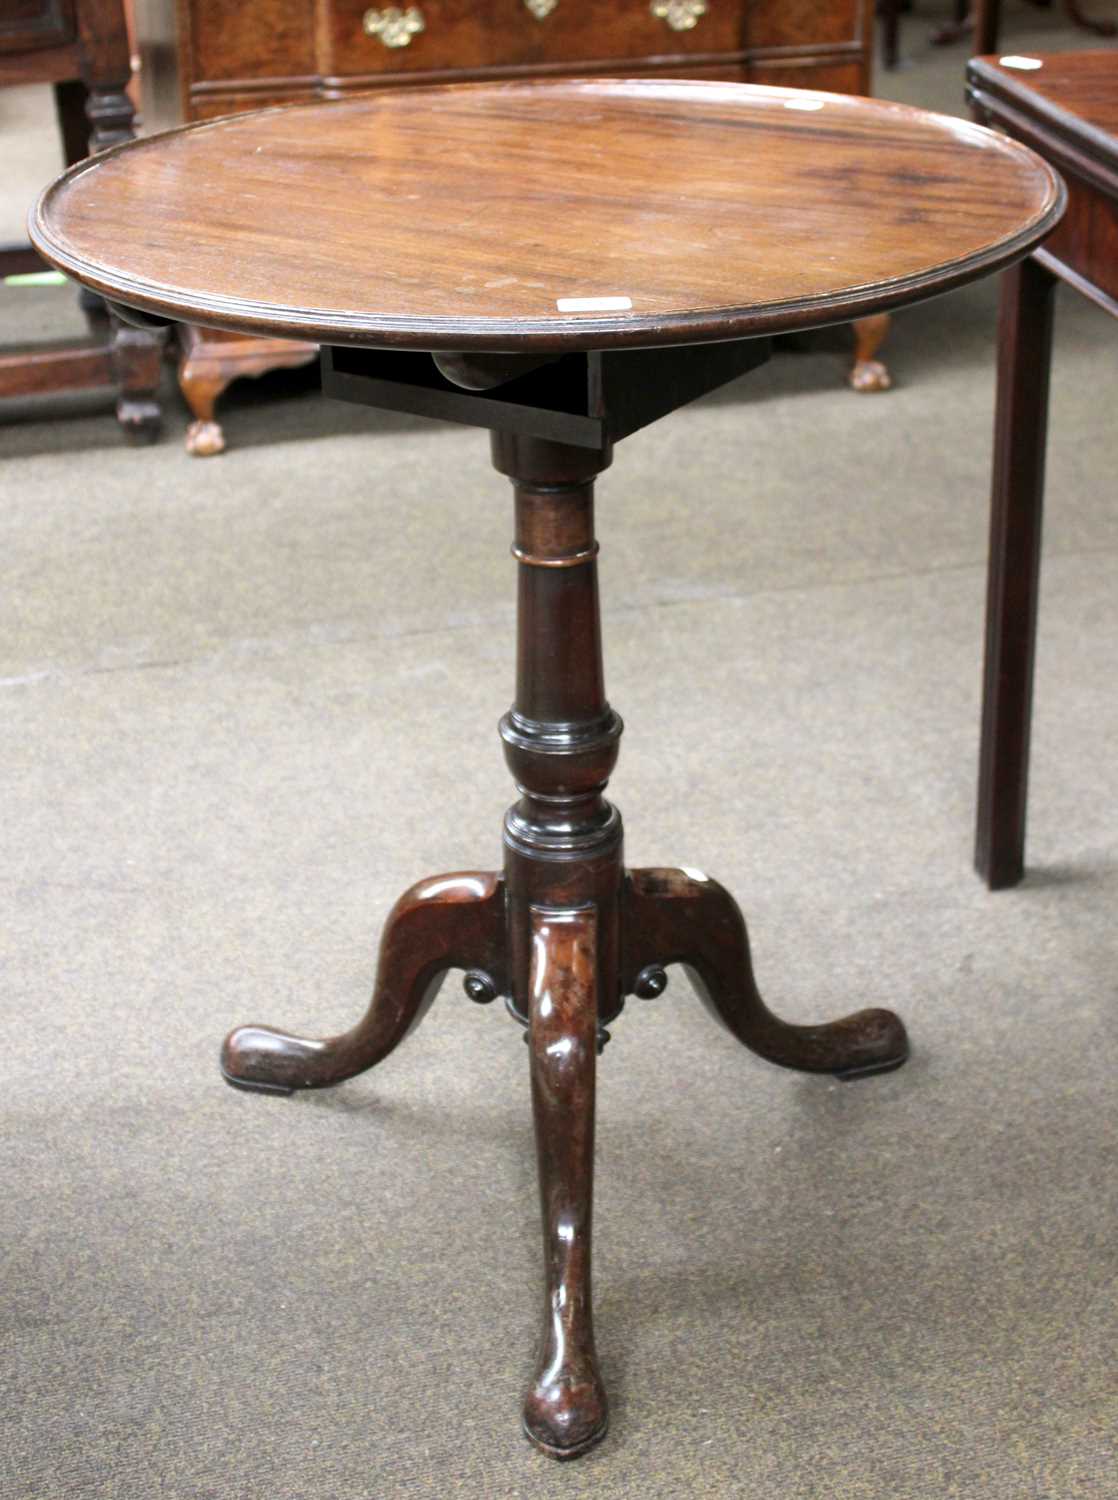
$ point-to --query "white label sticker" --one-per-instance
(1026, 64)
(594, 304)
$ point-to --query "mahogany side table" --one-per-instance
(561, 263)
(1064, 105)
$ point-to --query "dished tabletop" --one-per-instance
(574, 214)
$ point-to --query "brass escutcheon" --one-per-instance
(394, 27)
(681, 15)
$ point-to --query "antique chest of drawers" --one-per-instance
(211, 57)
(204, 58)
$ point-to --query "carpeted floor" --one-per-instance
(246, 701)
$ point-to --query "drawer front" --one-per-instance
(829, 76)
(799, 23)
(836, 78)
(209, 106)
(253, 39)
(29, 24)
(431, 35)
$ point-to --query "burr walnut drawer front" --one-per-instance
(430, 35)
(800, 23)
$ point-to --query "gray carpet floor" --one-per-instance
(246, 701)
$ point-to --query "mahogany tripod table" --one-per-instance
(561, 263)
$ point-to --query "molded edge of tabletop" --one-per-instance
(551, 334)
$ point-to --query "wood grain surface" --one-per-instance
(468, 216)
(1074, 92)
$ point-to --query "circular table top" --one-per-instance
(576, 214)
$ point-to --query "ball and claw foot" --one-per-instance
(205, 439)
(868, 374)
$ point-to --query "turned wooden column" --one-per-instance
(562, 838)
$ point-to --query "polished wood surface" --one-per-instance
(1066, 107)
(204, 58)
(466, 217)
(1069, 96)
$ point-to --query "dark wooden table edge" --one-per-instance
(500, 336)
(578, 335)
(1078, 146)
(986, 78)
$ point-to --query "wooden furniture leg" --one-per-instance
(1020, 432)
(868, 374)
(564, 873)
(136, 355)
(565, 1412)
(209, 362)
(201, 383)
(960, 26)
(448, 922)
(70, 98)
(889, 20)
(987, 23)
(684, 917)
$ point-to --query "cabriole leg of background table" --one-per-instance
(868, 373)
(1020, 432)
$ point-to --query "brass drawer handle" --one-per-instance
(681, 15)
(541, 9)
(394, 27)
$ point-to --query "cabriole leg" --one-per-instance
(448, 922)
(868, 373)
(565, 1412)
(679, 916)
